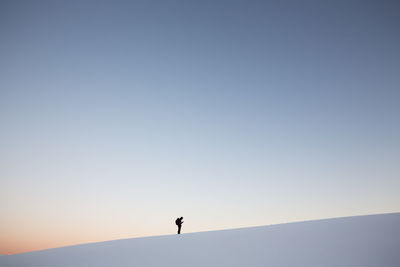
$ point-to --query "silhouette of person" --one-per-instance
(179, 222)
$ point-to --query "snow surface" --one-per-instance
(372, 240)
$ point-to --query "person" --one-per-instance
(179, 222)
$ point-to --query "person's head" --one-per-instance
(181, 218)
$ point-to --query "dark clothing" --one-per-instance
(179, 222)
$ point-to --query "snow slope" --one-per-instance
(372, 240)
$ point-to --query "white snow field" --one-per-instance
(372, 240)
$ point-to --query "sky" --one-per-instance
(116, 117)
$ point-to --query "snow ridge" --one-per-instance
(372, 240)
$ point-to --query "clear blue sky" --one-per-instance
(119, 116)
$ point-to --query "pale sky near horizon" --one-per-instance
(119, 116)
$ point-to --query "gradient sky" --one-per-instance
(116, 117)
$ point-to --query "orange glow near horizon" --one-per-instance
(30, 238)
(16, 245)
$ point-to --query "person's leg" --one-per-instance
(179, 229)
